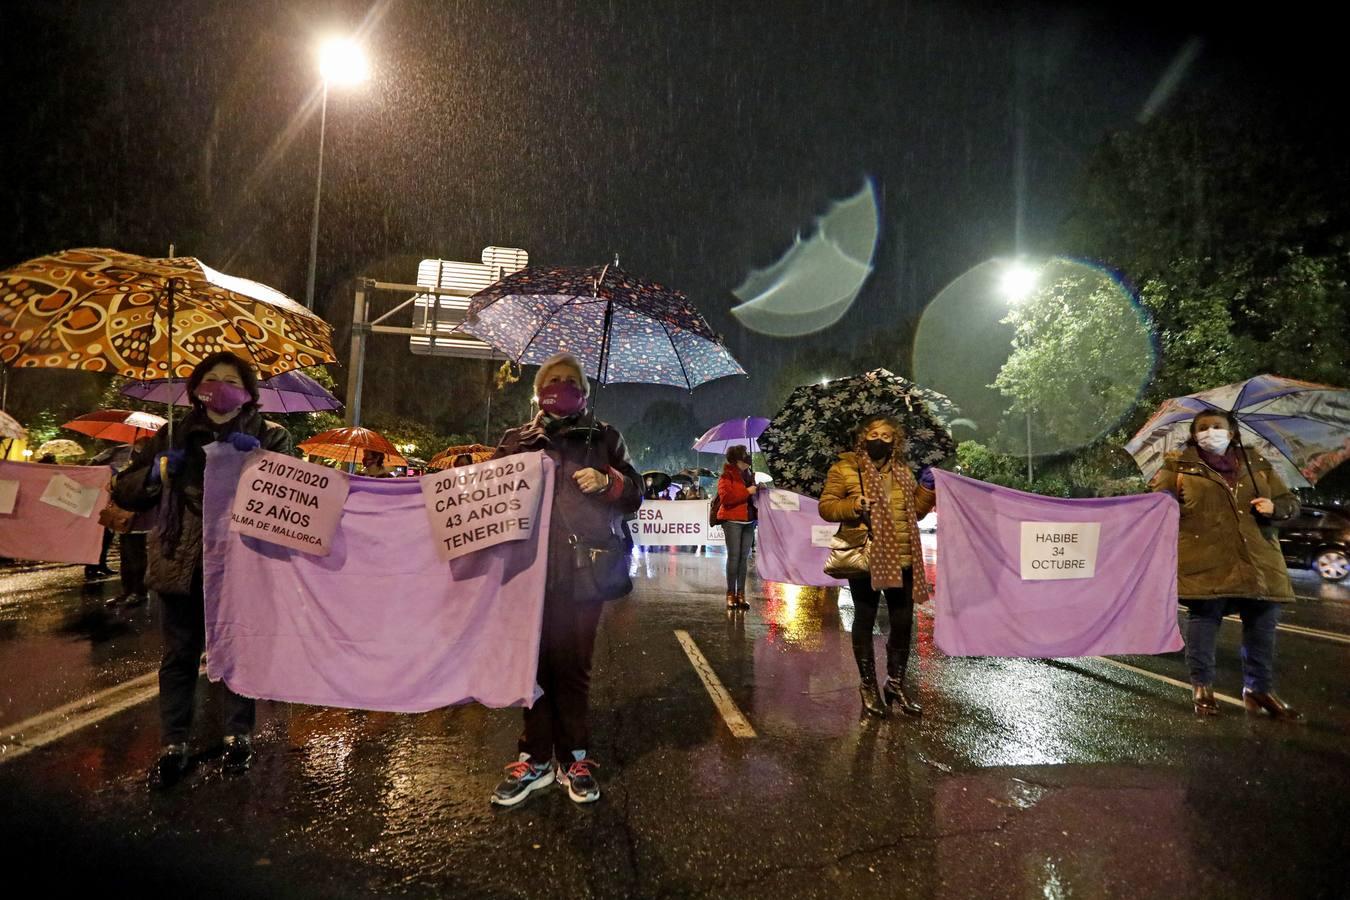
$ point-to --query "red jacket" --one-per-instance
(733, 497)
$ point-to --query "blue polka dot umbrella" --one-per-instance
(622, 328)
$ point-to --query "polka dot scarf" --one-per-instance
(884, 557)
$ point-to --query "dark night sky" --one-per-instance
(694, 139)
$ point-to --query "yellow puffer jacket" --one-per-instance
(839, 503)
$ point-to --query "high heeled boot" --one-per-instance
(894, 691)
(1203, 697)
(867, 684)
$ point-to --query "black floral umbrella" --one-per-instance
(818, 422)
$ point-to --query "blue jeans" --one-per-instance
(740, 541)
(1259, 618)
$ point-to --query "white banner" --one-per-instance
(9, 492)
(68, 494)
(1053, 551)
(481, 505)
(284, 501)
(679, 523)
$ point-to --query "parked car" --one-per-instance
(1318, 538)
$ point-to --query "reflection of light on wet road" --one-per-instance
(796, 615)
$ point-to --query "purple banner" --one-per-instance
(793, 540)
(1026, 575)
(381, 622)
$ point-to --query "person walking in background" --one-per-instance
(1227, 559)
(737, 515)
(871, 492)
(131, 537)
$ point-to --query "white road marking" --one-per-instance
(1163, 678)
(44, 728)
(731, 713)
(1306, 632)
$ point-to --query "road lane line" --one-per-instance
(1163, 678)
(1305, 631)
(731, 713)
(44, 728)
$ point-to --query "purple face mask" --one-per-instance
(562, 399)
(221, 396)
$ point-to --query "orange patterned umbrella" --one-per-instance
(108, 311)
(350, 443)
(446, 458)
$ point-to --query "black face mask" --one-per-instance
(878, 450)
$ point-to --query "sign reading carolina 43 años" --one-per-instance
(284, 501)
(472, 507)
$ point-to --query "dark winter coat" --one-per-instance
(175, 544)
(591, 517)
(1225, 548)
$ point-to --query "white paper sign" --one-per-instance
(284, 501)
(784, 500)
(66, 493)
(478, 506)
(1056, 550)
(9, 492)
(679, 523)
(823, 535)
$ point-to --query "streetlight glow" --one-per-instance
(1018, 281)
(341, 61)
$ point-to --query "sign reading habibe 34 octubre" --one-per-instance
(284, 501)
(1053, 551)
(477, 506)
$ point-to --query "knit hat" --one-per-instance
(561, 359)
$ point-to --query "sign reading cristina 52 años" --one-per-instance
(284, 501)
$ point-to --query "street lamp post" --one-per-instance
(1017, 284)
(341, 61)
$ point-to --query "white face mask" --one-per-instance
(1213, 440)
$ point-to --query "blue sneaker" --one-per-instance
(522, 778)
(578, 778)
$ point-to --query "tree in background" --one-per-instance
(663, 437)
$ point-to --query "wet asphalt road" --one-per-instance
(1024, 778)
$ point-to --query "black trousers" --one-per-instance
(133, 564)
(183, 627)
(900, 605)
(559, 721)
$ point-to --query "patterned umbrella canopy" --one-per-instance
(10, 427)
(107, 311)
(349, 444)
(724, 435)
(1302, 428)
(446, 458)
(289, 392)
(818, 422)
(120, 425)
(60, 448)
(622, 328)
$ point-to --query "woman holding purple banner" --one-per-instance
(1227, 562)
(595, 487)
(875, 499)
(169, 478)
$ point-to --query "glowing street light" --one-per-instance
(1017, 282)
(341, 62)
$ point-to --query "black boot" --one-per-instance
(894, 691)
(867, 684)
(238, 754)
(170, 767)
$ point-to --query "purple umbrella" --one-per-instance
(723, 436)
(289, 392)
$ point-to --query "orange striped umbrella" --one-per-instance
(122, 426)
(446, 458)
(350, 443)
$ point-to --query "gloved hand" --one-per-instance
(244, 442)
(175, 464)
(926, 477)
